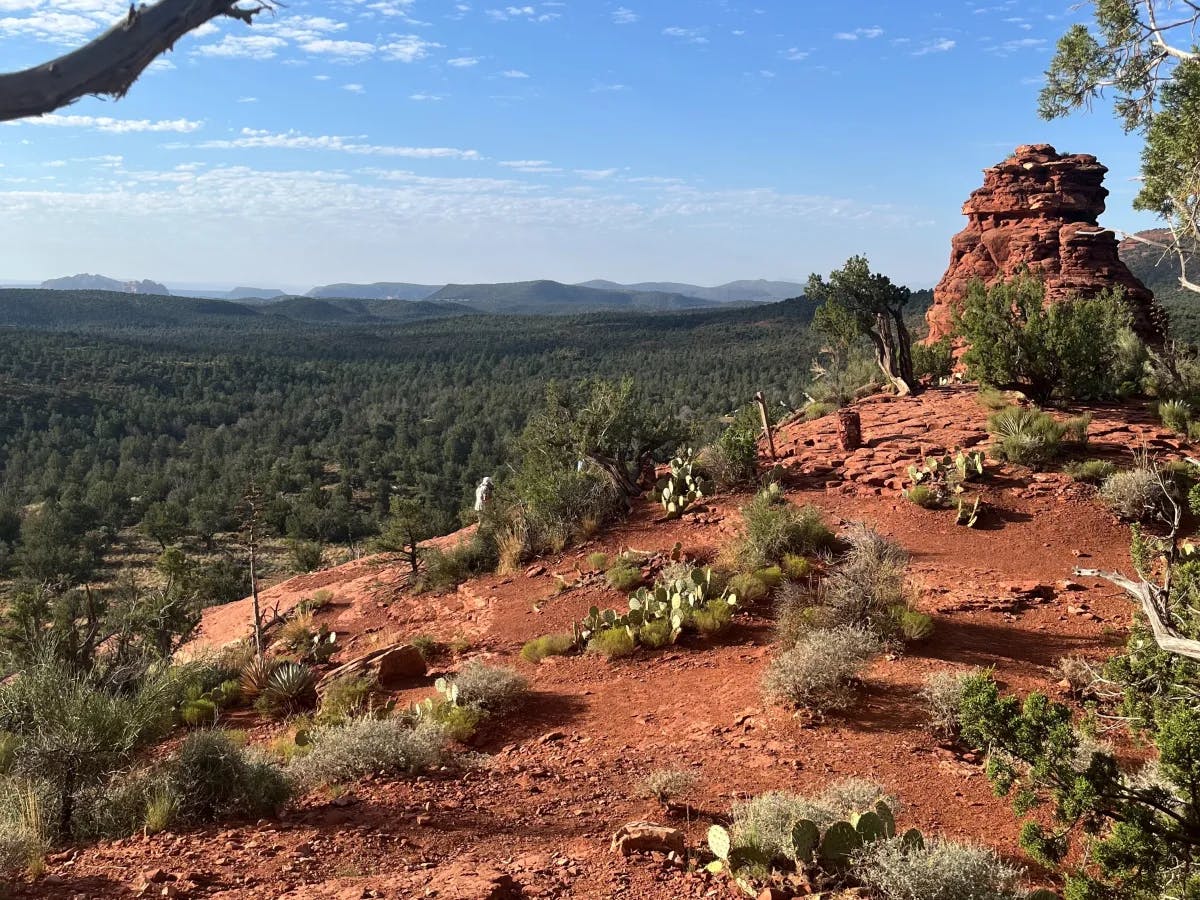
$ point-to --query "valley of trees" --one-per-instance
(163, 428)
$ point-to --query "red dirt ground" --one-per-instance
(555, 779)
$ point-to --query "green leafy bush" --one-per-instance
(623, 575)
(774, 528)
(933, 362)
(1091, 471)
(818, 409)
(597, 562)
(1015, 341)
(923, 495)
(343, 753)
(714, 618)
(795, 566)
(1026, 436)
(345, 698)
(869, 586)
(749, 587)
(539, 648)
(816, 673)
(733, 459)
(212, 778)
(612, 643)
(198, 711)
(943, 693)
(1176, 415)
(913, 625)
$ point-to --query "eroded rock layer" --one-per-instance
(1039, 210)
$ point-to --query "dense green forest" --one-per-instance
(162, 423)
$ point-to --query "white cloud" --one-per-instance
(869, 33)
(463, 62)
(596, 174)
(795, 54)
(251, 46)
(255, 139)
(527, 13)
(408, 48)
(114, 126)
(348, 51)
(609, 88)
(515, 73)
(425, 98)
(688, 35)
(939, 46)
(623, 16)
(354, 88)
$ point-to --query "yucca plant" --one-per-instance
(290, 688)
(254, 677)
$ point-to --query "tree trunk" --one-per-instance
(883, 356)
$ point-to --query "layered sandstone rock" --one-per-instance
(1039, 210)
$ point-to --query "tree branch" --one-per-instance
(109, 65)
(1165, 636)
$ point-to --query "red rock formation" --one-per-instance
(1039, 210)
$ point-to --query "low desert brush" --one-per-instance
(938, 870)
(369, 746)
(667, 785)
(539, 648)
(817, 672)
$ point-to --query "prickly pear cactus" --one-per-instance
(889, 820)
(806, 837)
(719, 842)
(680, 489)
(869, 825)
(913, 839)
(840, 840)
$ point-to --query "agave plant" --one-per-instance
(290, 687)
(254, 676)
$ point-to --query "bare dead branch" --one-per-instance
(1147, 595)
(109, 65)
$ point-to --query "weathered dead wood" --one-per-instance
(109, 65)
(1150, 597)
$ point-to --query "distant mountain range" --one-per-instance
(1158, 269)
(541, 297)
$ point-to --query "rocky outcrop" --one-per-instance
(1039, 210)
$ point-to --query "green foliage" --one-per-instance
(856, 302)
(612, 643)
(913, 625)
(924, 496)
(213, 778)
(536, 650)
(713, 618)
(291, 687)
(733, 459)
(933, 362)
(1091, 471)
(1143, 826)
(869, 586)
(597, 562)
(1025, 435)
(346, 698)
(74, 730)
(197, 712)
(774, 528)
(623, 575)
(667, 785)
(749, 587)
(818, 409)
(1016, 342)
(795, 566)
(943, 693)
(305, 556)
(1176, 415)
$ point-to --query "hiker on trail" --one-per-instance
(483, 495)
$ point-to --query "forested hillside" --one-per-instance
(161, 421)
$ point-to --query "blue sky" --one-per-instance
(434, 141)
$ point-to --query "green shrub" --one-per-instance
(345, 698)
(818, 410)
(623, 575)
(597, 562)
(796, 612)
(816, 673)
(657, 634)
(1075, 429)
(795, 566)
(1091, 471)
(445, 569)
(1026, 436)
(429, 647)
(943, 693)
(1015, 341)
(212, 778)
(305, 556)
(1134, 495)
(936, 870)
(197, 712)
(1176, 415)
(457, 722)
(343, 753)
(773, 528)
(933, 362)
(539, 648)
(993, 399)
(913, 625)
(490, 688)
(771, 576)
(748, 588)
(714, 618)
(733, 459)
(612, 643)
(924, 496)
